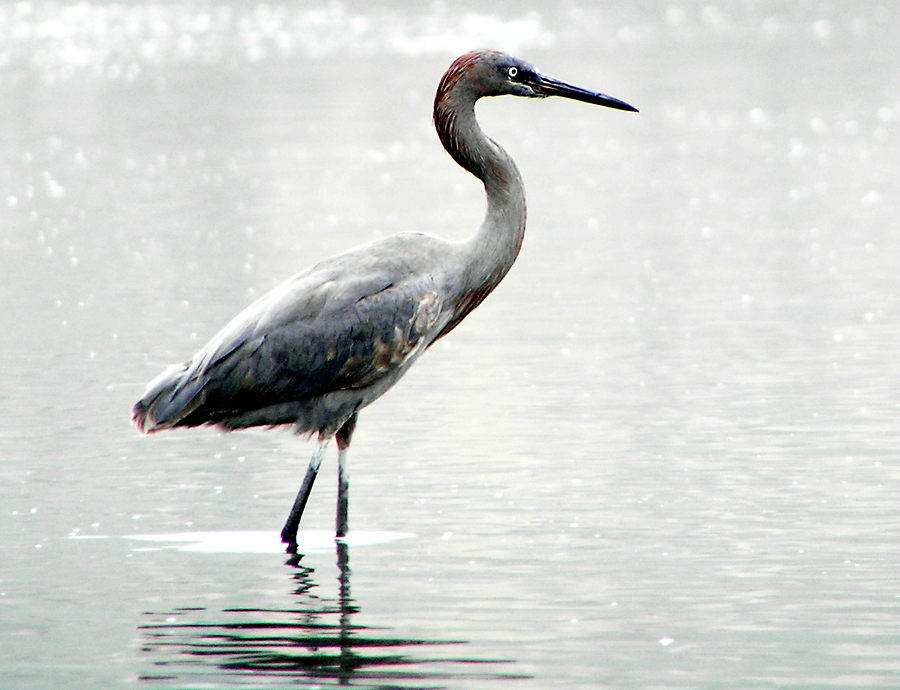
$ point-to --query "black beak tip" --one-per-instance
(615, 103)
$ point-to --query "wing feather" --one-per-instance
(317, 333)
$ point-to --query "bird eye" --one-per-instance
(513, 72)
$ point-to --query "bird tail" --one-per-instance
(169, 398)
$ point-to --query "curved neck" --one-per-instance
(490, 253)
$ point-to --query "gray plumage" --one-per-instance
(317, 349)
(310, 353)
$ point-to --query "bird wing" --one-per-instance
(342, 325)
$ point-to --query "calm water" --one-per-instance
(664, 454)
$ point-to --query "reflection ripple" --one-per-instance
(315, 639)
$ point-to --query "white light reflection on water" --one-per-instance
(248, 541)
(119, 41)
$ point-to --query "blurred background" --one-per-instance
(663, 454)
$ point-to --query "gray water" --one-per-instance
(663, 454)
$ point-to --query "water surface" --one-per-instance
(661, 455)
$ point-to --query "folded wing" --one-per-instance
(332, 328)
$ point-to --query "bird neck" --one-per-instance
(490, 253)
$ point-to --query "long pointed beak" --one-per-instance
(547, 86)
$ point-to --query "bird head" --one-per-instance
(492, 73)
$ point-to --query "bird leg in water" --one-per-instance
(289, 531)
(343, 442)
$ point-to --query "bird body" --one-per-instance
(333, 338)
(311, 352)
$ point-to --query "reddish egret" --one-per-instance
(317, 349)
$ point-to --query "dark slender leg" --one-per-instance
(289, 531)
(343, 503)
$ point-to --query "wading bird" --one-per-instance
(320, 347)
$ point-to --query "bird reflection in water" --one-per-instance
(314, 640)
